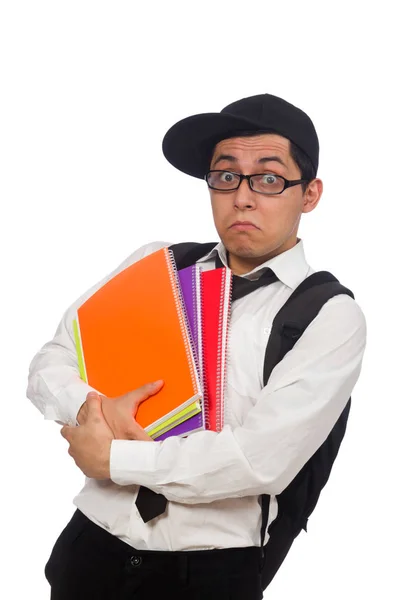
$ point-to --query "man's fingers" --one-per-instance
(65, 431)
(94, 406)
(93, 402)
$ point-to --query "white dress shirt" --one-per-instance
(213, 480)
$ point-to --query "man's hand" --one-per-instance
(120, 412)
(89, 444)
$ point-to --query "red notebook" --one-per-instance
(216, 288)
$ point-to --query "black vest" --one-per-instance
(298, 500)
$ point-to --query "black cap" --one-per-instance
(188, 145)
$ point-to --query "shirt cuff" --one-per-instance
(132, 462)
(71, 399)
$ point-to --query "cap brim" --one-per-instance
(188, 144)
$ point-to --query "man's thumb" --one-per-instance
(149, 389)
(152, 388)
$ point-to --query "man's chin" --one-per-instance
(243, 250)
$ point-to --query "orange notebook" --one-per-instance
(132, 331)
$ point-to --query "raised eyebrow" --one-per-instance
(262, 160)
(225, 157)
(272, 158)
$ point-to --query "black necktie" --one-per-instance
(242, 286)
(148, 503)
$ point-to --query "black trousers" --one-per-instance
(87, 563)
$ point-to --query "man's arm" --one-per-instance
(292, 417)
(54, 383)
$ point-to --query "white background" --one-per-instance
(88, 90)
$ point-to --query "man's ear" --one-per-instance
(312, 195)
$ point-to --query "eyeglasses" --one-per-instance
(263, 183)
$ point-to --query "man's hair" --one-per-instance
(303, 162)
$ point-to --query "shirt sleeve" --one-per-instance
(54, 383)
(292, 417)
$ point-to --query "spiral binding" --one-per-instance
(197, 355)
(227, 306)
(198, 317)
(224, 315)
(182, 317)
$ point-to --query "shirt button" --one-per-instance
(267, 330)
(136, 561)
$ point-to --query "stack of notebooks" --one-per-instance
(153, 322)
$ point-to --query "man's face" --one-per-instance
(275, 219)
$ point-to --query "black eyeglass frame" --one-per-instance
(287, 182)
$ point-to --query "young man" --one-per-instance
(259, 157)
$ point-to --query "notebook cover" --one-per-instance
(183, 415)
(126, 341)
(190, 285)
(195, 423)
(190, 281)
(216, 306)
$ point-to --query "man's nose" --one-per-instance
(244, 197)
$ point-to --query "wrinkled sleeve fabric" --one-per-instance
(54, 384)
(291, 418)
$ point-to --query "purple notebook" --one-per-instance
(189, 279)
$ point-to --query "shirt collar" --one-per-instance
(290, 266)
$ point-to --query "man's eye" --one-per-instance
(227, 177)
(269, 179)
